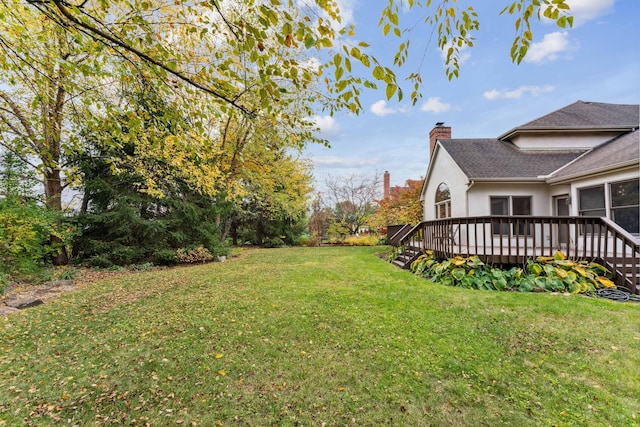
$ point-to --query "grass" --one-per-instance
(317, 336)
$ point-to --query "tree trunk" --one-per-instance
(53, 200)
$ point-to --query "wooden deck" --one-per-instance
(505, 240)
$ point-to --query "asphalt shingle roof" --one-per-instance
(615, 152)
(492, 158)
(501, 159)
(585, 115)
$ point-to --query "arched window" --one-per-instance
(443, 201)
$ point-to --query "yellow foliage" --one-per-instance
(363, 240)
(605, 282)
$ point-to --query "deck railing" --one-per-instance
(512, 240)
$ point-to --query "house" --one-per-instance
(583, 159)
(396, 190)
(567, 181)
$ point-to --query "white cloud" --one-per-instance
(586, 10)
(346, 8)
(548, 49)
(435, 105)
(312, 64)
(346, 11)
(343, 162)
(327, 124)
(517, 93)
(380, 108)
(463, 53)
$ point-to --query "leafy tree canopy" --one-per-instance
(403, 206)
(178, 41)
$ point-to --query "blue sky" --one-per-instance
(596, 60)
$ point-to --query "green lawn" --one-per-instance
(312, 337)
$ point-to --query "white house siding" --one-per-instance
(447, 171)
(562, 141)
(480, 192)
(479, 204)
(559, 190)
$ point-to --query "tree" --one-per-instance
(402, 207)
(40, 66)
(352, 200)
(143, 32)
(140, 202)
(123, 226)
(76, 71)
(320, 218)
(275, 187)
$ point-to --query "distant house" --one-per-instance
(581, 160)
(391, 191)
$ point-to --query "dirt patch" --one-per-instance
(26, 296)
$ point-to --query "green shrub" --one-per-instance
(194, 255)
(100, 261)
(470, 273)
(165, 257)
(5, 283)
(145, 266)
(66, 273)
(553, 274)
(307, 240)
(25, 233)
(273, 242)
(127, 255)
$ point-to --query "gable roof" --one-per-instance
(581, 115)
(491, 158)
(621, 151)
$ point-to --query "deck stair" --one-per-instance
(625, 273)
(407, 256)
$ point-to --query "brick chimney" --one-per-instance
(387, 185)
(438, 132)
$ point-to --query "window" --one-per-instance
(521, 206)
(511, 205)
(625, 204)
(443, 201)
(500, 206)
(591, 201)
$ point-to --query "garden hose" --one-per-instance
(619, 294)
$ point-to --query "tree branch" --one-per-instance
(17, 112)
(102, 36)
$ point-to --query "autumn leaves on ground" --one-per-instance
(316, 336)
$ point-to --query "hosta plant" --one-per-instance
(557, 273)
(553, 274)
(468, 272)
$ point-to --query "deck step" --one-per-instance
(410, 254)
